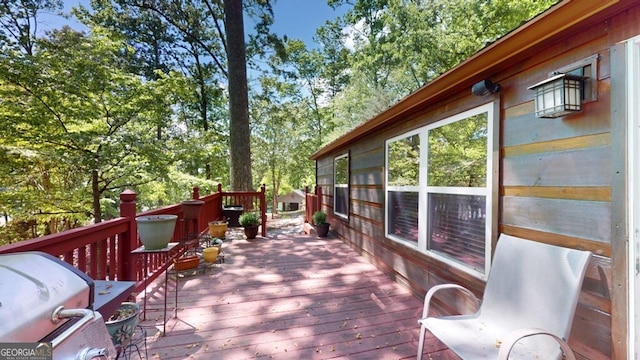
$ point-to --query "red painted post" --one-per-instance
(263, 209)
(129, 241)
(319, 193)
(196, 196)
(307, 204)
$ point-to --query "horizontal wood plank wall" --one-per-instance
(555, 181)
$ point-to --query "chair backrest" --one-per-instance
(532, 284)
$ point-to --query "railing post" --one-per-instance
(307, 203)
(319, 193)
(129, 241)
(196, 196)
(263, 209)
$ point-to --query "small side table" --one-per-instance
(169, 253)
(109, 294)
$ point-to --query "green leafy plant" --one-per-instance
(249, 219)
(319, 217)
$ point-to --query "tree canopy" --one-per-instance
(144, 99)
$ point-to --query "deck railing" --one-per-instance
(313, 203)
(103, 250)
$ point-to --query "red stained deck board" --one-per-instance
(287, 297)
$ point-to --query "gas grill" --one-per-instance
(45, 300)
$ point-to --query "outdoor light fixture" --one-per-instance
(559, 95)
(484, 87)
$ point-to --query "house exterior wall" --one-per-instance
(561, 181)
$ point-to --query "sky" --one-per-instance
(297, 19)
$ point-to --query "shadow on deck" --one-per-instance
(288, 296)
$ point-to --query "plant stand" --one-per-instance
(172, 251)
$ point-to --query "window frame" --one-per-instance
(403, 188)
(337, 185)
(489, 191)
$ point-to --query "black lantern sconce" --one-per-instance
(559, 95)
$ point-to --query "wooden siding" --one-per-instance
(562, 181)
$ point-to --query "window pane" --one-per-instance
(404, 161)
(403, 215)
(458, 153)
(341, 186)
(457, 227)
(342, 170)
(341, 205)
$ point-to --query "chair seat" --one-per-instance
(473, 338)
(527, 309)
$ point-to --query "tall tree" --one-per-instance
(73, 104)
(397, 46)
(209, 34)
(19, 22)
(239, 140)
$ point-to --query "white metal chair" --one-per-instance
(528, 305)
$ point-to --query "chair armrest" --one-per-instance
(517, 335)
(433, 290)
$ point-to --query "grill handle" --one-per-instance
(87, 315)
(94, 354)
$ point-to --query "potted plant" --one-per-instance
(250, 221)
(320, 223)
(218, 228)
(122, 323)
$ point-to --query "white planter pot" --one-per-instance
(155, 231)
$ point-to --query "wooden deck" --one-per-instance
(288, 296)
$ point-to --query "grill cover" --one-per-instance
(32, 286)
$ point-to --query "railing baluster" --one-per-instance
(82, 259)
(93, 260)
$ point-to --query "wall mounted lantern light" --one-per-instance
(559, 95)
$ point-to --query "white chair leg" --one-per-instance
(421, 341)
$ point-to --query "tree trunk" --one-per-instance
(95, 194)
(239, 139)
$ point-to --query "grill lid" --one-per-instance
(32, 286)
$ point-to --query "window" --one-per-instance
(341, 186)
(439, 189)
(403, 187)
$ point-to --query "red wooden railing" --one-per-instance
(103, 250)
(313, 203)
(250, 202)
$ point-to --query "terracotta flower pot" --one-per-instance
(186, 263)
